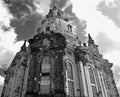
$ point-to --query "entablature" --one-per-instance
(47, 41)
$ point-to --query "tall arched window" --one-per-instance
(70, 79)
(45, 78)
(93, 81)
(46, 64)
(92, 77)
(69, 70)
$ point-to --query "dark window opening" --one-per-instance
(47, 28)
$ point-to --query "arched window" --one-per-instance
(69, 70)
(93, 81)
(70, 79)
(45, 78)
(92, 78)
(45, 64)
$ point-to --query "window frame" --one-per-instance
(95, 80)
(45, 79)
(69, 62)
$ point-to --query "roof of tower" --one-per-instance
(55, 21)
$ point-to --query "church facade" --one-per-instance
(57, 64)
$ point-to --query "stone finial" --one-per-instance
(54, 12)
(90, 40)
(23, 48)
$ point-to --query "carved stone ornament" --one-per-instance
(46, 42)
(80, 54)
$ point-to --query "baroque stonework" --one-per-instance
(57, 64)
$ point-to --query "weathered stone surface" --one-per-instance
(42, 69)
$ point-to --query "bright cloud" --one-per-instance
(86, 10)
(96, 22)
(5, 15)
(113, 56)
(8, 40)
(42, 6)
(8, 44)
(1, 80)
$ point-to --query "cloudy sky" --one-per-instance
(19, 20)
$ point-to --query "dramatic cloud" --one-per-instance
(29, 13)
(42, 6)
(5, 19)
(111, 10)
(26, 19)
(28, 28)
(8, 44)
